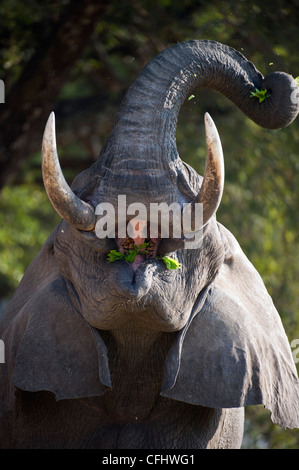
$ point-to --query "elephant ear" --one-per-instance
(48, 344)
(234, 351)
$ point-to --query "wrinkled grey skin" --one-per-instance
(101, 356)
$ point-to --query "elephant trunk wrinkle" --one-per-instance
(136, 360)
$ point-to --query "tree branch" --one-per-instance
(31, 100)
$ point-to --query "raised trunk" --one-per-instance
(140, 158)
(146, 124)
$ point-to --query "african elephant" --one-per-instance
(123, 354)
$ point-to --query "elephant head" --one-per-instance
(226, 347)
(140, 160)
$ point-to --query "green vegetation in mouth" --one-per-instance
(114, 255)
(130, 256)
(261, 95)
(170, 262)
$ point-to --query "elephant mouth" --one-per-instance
(138, 249)
(148, 251)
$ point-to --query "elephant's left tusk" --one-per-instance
(211, 190)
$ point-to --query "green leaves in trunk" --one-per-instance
(261, 95)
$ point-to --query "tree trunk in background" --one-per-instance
(24, 114)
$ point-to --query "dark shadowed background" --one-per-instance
(78, 58)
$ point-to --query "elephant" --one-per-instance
(133, 355)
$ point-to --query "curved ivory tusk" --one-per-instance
(69, 206)
(211, 190)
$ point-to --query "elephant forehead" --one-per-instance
(139, 185)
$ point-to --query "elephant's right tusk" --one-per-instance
(69, 206)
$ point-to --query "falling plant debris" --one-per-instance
(131, 254)
(191, 97)
(260, 94)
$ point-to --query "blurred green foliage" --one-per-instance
(261, 198)
(26, 220)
